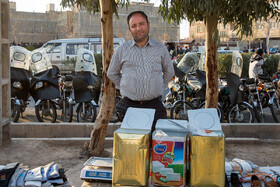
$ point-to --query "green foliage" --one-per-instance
(224, 64)
(246, 60)
(240, 12)
(93, 6)
(179, 57)
(98, 61)
(225, 60)
(271, 64)
(70, 61)
(30, 47)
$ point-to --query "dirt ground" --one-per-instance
(39, 153)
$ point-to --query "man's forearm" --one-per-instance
(115, 79)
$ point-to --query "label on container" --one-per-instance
(168, 162)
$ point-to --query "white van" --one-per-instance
(64, 49)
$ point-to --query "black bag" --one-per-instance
(6, 174)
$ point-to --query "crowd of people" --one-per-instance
(176, 50)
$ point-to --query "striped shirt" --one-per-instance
(141, 73)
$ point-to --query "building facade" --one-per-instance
(32, 27)
(229, 38)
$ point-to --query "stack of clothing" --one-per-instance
(17, 175)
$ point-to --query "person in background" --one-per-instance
(245, 50)
(256, 63)
(141, 68)
(180, 50)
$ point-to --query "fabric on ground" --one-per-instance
(34, 174)
(18, 172)
(53, 173)
(56, 181)
(33, 184)
(20, 180)
(45, 171)
(6, 174)
(47, 184)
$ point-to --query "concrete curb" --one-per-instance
(57, 130)
(83, 130)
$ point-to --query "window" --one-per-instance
(200, 29)
(71, 49)
(19, 56)
(53, 47)
(274, 25)
(223, 34)
(260, 26)
(97, 47)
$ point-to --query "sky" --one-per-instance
(40, 6)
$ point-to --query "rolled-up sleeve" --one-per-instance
(167, 67)
(114, 70)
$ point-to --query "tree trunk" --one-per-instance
(267, 35)
(211, 61)
(98, 133)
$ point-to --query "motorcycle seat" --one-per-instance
(250, 81)
(263, 77)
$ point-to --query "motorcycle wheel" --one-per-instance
(44, 114)
(258, 115)
(69, 113)
(177, 110)
(241, 113)
(15, 111)
(275, 110)
(89, 115)
(219, 110)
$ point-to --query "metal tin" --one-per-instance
(131, 157)
(207, 161)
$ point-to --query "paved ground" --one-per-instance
(38, 153)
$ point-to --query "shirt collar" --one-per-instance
(150, 42)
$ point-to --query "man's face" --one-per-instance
(139, 27)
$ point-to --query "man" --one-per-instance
(256, 62)
(141, 69)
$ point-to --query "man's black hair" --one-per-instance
(137, 12)
(259, 52)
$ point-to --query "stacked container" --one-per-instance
(169, 153)
(207, 148)
(131, 148)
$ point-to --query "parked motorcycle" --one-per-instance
(180, 93)
(268, 96)
(86, 85)
(44, 86)
(20, 80)
(234, 104)
(66, 101)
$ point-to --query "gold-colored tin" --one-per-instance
(131, 157)
(207, 161)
